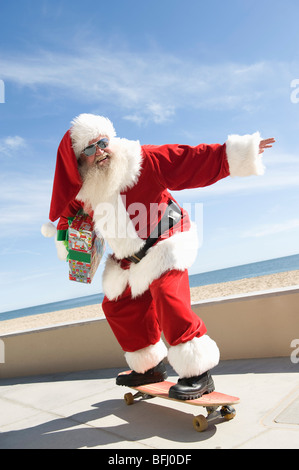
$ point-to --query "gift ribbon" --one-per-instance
(79, 256)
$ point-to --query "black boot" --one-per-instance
(133, 379)
(193, 387)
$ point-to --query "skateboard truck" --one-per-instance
(129, 397)
(200, 422)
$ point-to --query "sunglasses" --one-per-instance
(91, 149)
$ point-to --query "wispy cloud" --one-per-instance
(282, 174)
(24, 203)
(8, 145)
(148, 87)
(271, 229)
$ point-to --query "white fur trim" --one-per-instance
(243, 155)
(115, 225)
(115, 279)
(144, 359)
(48, 230)
(177, 252)
(194, 357)
(62, 252)
(87, 127)
(129, 162)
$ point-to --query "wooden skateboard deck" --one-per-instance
(210, 401)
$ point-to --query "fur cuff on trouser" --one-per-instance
(194, 357)
(144, 359)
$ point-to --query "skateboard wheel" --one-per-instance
(228, 412)
(200, 423)
(129, 399)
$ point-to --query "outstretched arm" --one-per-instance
(180, 167)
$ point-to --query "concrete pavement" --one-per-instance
(86, 410)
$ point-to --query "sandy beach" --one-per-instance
(243, 286)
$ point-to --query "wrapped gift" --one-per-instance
(85, 249)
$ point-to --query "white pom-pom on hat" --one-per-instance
(48, 230)
(87, 127)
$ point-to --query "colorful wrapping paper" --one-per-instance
(86, 249)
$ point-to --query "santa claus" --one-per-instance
(125, 187)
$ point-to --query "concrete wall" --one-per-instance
(251, 326)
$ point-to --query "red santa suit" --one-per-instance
(145, 298)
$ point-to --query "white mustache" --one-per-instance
(102, 157)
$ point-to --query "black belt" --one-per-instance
(172, 216)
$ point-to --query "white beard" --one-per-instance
(101, 184)
(97, 184)
(101, 193)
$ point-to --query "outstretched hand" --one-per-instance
(266, 144)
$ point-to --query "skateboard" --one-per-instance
(211, 402)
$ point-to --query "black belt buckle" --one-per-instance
(171, 217)
(134, 259)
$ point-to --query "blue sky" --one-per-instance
(163, 72)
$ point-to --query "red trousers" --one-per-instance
(166, 306)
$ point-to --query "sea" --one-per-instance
(260, 268)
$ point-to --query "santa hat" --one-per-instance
(87, 127)
(67, 180)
